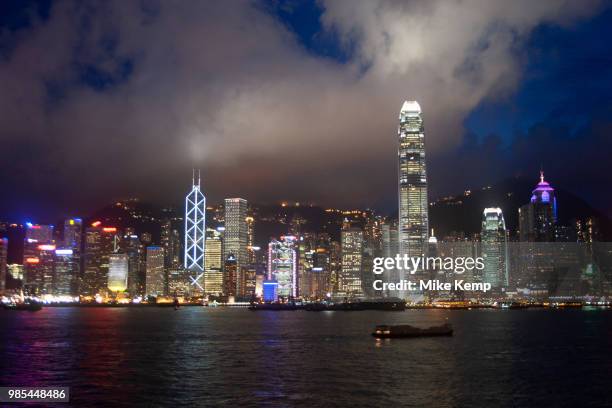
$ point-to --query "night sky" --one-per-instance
(296, 100)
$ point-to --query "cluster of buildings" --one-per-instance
(217, 258)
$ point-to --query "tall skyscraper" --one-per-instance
(494, 248)
(155, 279)
(64, 272)
(538, 218)
(99, 244)
(73, 230)
(349, 282)
(213, 266)
(136, 258)
(251, 250)
(171, 242)
(413, 225)
(230, 277)
(236, 233)
(282, 266)
(195, 227)
(73, 240)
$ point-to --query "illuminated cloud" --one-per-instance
(111, 99)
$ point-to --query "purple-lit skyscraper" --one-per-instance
(538, 218)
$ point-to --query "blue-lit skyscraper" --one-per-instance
(195, 227)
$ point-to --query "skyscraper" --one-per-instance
(136, 258)
(538, 218)
(282, 265)
(170, 241)
(64, 272)
(155, 280)
(100, 242)
(494, 248)
(118, 272)
(413, 211)
(230, 277)
(213, 267)
(195, 228)
(236, 233)
(349, 282)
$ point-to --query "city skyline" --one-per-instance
(302, 203)
(84, 134)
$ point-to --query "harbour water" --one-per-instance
(215, 357)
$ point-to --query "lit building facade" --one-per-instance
(213, 266)
(195, 228)
(65, 272)
(155, 279)
(118, 272)
(349, 280)
(236, 233)
(494, 248)
(100, 242)
(282, 266)
(413, 209)
(538, 218)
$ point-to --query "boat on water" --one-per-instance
(406, 330)
(25, 306)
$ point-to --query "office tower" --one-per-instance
(306, 246)
(282, 266)
(372, 248)
(349, 282)
(100, 242)
(335, 265)
(538, 218)
(389, 239)
(230, 276)
(118, 272)
(494, 248)
(3, 263)
(213, 265)
(155, 279)
(38, 268)
(248, 279)
(251, 250)
(136, 254)
(171, 242)
(73, 231)
(65, 272)
(236, 232)
(195, 228)
(73, 240)
(320, 276)
(43, 234)
(413, 211)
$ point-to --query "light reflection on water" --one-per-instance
(225, 357)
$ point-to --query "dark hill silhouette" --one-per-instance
(463, 212)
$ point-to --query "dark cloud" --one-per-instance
(111, 99)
